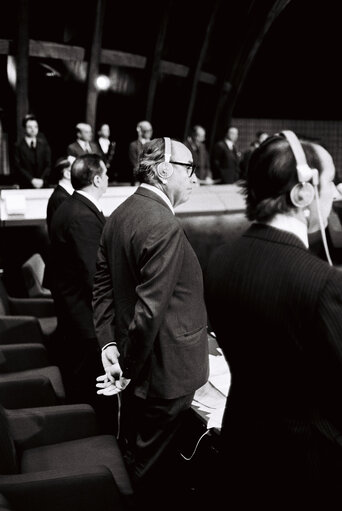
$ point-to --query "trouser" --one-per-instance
(80, 363)
(148, 430)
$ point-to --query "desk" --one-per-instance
(204, 200)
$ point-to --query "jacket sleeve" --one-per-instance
(103, 303)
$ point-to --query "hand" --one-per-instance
(37, 183)
(110, 388)
(110, 361)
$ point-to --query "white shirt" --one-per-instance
(85, 145)
(104, 144)
(229, 144)
(291, 224)
(29, 140)
(91, 198)
(160, 193)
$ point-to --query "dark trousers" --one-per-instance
(80, 362)
(148, 439)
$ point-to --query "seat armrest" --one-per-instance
(27, 392)
(20, 329)
(19, 357)
(38, 307)
(33, 427)
(86, 488)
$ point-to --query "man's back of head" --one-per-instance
(89, 173)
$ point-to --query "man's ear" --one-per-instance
(67, 174)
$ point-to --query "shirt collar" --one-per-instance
(91, 198)
(83, 144)
(229, 143)
(160, 193)
(291, 224)
(29, 140)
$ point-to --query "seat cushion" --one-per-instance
(97, 450)
(51, 372)
(48, 325)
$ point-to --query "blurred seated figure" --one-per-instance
(84, 141)
(32, 156)
(195, 142)
(260, 136)
(144, 131)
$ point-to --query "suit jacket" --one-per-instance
(75, 234)
(277, 313)
(148, 296)
(75, 149)
(225, 163)
(109, 155)
(55, 200)
(134, 151)
(29, 163)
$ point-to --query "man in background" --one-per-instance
(75, 234)
(32, 156)
(144, 131)
(84, 141)
(62, 191)
(195, 142)
(226, 158)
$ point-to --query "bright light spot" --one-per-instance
(102, 82)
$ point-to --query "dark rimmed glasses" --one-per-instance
(190, 167)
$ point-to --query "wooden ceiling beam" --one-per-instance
(195, 71)
(232, 79)
(94, 63)
(153, 65)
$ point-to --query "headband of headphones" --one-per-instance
(304, 172)
(167, 150)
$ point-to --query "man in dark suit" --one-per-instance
(149, 309)
(62, 191)
(32, 156)
(144, 132)
(276, 310)
(83, 143)
(226, 158)
(75, 234)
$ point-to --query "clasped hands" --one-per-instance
(112, 382)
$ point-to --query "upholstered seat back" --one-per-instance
(8, 455)
(4, 302)
(33, 273)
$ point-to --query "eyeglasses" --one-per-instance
(190, 167)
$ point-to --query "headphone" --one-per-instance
(303, 193)
(165, 169)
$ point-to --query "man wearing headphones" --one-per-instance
(276, 310)
(149, 310)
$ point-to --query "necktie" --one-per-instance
(87, 148)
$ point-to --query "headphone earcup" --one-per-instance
(302, 194)
(164, 170)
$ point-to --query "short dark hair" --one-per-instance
(271, 175)
(61, 164)
(84, 169)
(27, 118)
(152, 154)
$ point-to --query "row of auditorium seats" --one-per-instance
(52, 454)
